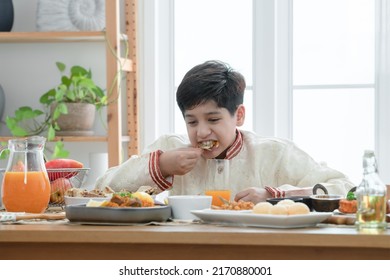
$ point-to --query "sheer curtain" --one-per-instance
(383, 88)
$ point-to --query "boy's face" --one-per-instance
(210, 122)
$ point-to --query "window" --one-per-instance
(206, 31)
(334, 81)
(311, 68)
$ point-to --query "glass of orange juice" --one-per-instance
(217, 181)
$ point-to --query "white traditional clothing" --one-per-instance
(254, 162)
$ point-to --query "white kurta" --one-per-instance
(261, 162)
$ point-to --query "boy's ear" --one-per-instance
(240, 115)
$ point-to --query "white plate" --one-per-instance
(247, 218)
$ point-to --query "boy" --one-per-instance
(210, 98)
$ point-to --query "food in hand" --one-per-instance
(58, 190)
(208, 145)
(62, 163)
(283, 207)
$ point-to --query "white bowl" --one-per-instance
(69, 200)
(182, 205)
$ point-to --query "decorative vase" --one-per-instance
(2, 102)
(6, 15)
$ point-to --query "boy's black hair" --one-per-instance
(211, 80)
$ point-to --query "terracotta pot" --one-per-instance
(79, 120)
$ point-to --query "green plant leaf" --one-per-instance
(59, 151)
(51, 133)
(61, 66)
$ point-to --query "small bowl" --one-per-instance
(182, 205)
(325, 202)
(70, 200)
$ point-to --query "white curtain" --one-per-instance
(383, 87)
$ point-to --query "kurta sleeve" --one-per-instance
(141, 170)
(298, 170)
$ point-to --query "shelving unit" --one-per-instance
(114, 64)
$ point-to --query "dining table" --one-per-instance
(59, 240)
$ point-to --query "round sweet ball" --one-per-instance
(262, 208)
(286, 202)
(298, 208)
(279, 210)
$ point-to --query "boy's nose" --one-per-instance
(203, 131)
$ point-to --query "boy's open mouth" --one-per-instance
(208, 145)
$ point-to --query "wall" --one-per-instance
(27, 70)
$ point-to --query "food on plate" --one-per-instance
(94, 203)
(58, 189)
(148, 189)
(234, 205)
(62, 163)
(283, 207)
(76, 192)
(146, 199)
(262, 208)
(349, 204)
(278, 209)
(208, 145)
(286, 202)
(298, 208)
(126, 199)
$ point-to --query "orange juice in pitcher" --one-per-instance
(26, 186)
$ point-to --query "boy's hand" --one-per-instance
(254, 195)
(179, 161)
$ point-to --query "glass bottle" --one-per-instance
(26, 186)
(371, 197)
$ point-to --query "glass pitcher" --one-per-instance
(26, 186)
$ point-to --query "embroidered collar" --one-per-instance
(235, 148)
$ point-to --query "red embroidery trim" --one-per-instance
(155, 172)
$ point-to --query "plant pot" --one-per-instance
(79, 120)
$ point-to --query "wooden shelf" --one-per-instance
(53, 37)
(100, 138)
(113, 39)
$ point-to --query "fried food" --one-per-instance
(262, 208)
(283, 207)
(348, 206)
(208, 145)
(298, 208)
(235, 205)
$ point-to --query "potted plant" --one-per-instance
(75, 91)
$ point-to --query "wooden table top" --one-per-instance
(206, 241)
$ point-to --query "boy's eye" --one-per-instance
(214, 120)
(192, 122)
